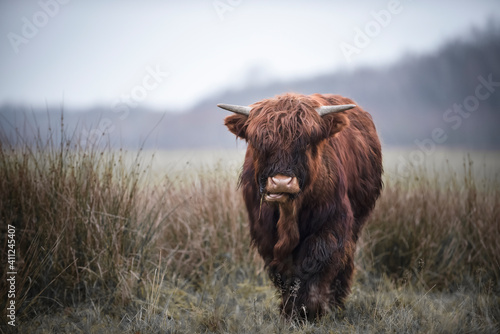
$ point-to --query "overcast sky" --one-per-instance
(171, 54)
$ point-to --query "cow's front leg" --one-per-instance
(319, 262)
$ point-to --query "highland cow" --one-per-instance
(311, 176)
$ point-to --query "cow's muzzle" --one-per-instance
(280, 188)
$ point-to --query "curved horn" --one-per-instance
(325, 110)
(242, 110)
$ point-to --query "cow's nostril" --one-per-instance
(281, 179)
(281, 184)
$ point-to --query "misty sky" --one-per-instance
(171, 54)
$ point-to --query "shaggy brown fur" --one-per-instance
(308, 242)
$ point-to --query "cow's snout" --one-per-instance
(279, 187)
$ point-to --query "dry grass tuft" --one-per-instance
(437, 230)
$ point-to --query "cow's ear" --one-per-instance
(237, 124)
(334, 123)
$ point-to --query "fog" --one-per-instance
(83, 54)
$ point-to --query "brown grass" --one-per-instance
(439, 230)
(105, 245)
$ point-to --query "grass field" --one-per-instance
(109, 241)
